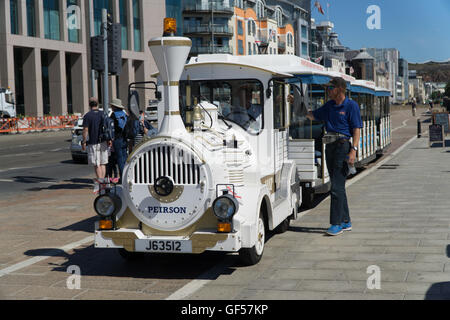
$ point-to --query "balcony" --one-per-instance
(207, 8)
(209, 50)
(208, 29)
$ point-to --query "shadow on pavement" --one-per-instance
(307, 230)
(109, 263)
(439, 144)
(439, 290)
(32, 179)
(83, 163)
(72, 184)
(86, 225)
(318, 198)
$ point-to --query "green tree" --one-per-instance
(447, 89)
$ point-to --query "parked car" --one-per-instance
(151, 112)
(78, 155)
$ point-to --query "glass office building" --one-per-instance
(52, 20)
(174, 10)
(45, 51)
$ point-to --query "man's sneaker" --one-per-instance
(334, 230)
(346, 226)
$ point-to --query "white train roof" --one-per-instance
(230, 60)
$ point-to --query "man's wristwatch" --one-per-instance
(355, 148)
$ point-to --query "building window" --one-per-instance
(279, 17)
(249, 45)
(31, 18)
(51, 20)
(14, 12)
(124, 23)
(174, 10)
(240, 47)
(259, 9)
(72, 31)
(99, 5)
(137, 25)
(254, 49)
(304, 49)
(304, 32)
(240, 28)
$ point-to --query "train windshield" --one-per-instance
(9, 97)
(239, 101)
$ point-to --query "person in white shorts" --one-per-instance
(98, 151)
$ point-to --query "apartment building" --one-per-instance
(238, 27)
(45, 51)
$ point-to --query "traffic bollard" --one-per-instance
(419, 128)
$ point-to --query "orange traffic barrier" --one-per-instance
(36, 123)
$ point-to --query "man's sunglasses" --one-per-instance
(331, 87)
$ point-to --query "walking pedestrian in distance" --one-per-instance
(97, 149)
(413, 106)
(343, 121)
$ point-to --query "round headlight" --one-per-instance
(225, 207)
(105, 205)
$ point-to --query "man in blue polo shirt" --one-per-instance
(342, 119)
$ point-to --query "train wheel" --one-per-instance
(251, 256)
(284, 226)
(307, 199)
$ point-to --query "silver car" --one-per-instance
(78, 155)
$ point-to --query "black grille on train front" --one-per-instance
(166, 161)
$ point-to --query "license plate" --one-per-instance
(153, 245)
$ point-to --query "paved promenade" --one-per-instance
(401, 221)
(401, 224)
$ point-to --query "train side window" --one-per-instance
(279, 105)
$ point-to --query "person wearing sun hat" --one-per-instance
(342, 121)
(120, 142)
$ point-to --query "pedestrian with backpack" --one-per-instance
(120, 141)
(93, 139)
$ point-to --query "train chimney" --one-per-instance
(170, 54)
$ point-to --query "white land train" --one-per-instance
(215, 184)
(226, 165)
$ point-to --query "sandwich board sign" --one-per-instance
(436, 134)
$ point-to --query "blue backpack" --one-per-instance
(107, 128)
(121, 118)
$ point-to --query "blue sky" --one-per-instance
(419, 29)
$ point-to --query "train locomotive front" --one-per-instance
(187, 192)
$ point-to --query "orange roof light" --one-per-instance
(170, 26)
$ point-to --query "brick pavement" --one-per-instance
(400, 225)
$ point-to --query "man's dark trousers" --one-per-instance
(337, 154)
(120, 150)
